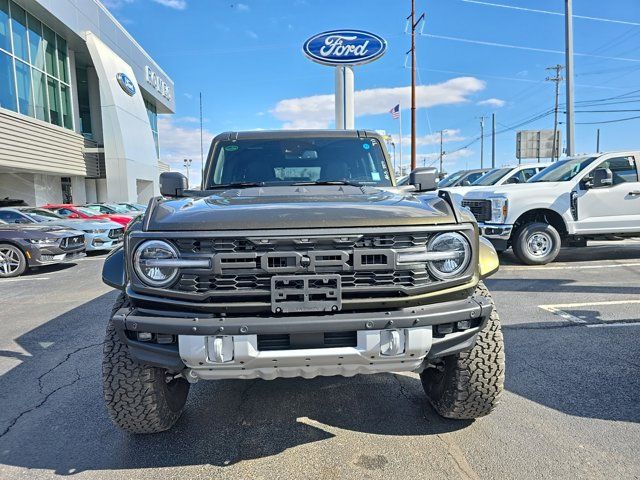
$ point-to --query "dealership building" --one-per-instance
(79, 100)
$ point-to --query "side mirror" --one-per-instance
(424, 179)
(602, 177)
(173, 184)
(73, 215)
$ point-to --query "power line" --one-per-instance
(530, 49)
(548, 12)
(608, 121)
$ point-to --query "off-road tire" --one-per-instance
(16, 255)
(138, 397)
(521, 239)
(468, 384)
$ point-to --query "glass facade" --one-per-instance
(152, 112)
(34, 68)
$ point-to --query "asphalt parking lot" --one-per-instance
(571, 408)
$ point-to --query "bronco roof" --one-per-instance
(285, 134)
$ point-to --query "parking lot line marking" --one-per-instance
(6, 280)
(571, 267)
(562, 314)
(558, 309)
(617, 324)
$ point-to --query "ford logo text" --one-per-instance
(344, 47)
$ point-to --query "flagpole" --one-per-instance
(400, 118)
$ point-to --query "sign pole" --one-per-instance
(400, 118)
(344, 98)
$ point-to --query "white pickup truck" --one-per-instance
(577, 199)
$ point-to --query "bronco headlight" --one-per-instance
(499, 209)
(449, 253)
(154, 262)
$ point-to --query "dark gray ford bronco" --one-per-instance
(299, 257)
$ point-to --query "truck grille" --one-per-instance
(284, 341)
(71, 243)
(481, 209)
(242, 268)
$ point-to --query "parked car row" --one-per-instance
(37, 236)
(572, 201)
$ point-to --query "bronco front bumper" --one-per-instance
(216, 346)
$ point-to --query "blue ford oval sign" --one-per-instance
(345, 47)
(126, 84)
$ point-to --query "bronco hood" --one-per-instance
(288, 207)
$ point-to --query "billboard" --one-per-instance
(537, 144)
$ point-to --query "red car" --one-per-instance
(71, 211)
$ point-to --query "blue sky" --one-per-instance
(246, 59)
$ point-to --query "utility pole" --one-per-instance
(482, 141)
(555, 154)
(568, 17)
(493, 140)
(202, 186)
(440, 173)
(414, 25)
(598, 142)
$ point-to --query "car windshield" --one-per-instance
(43, 213)
(37, 218)
(562, 171)
(298, 161)
(117, 208)
(88, 212)
(451, 179)
(492, 176)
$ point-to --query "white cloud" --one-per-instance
(317, 111)
(188, 95)
(242, 7)
(179, 142)
(251, 34)
(492, 102)
(175, 4)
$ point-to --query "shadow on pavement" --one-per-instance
(53, 416)
(601, 251)
(557, 285)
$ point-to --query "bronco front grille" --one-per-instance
(481, 209)
(244, 267)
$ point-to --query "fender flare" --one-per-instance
(488, 261)
(114, 270)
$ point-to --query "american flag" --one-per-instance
(395, 112)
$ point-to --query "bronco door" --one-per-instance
(614, 208)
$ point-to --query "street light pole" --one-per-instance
(414, 25)
(568, 15)
(187, 164)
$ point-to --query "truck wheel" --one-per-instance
(12, 261)
(468, 384)
(139, 398)
(537, 244)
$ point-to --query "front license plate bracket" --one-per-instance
(306, 293)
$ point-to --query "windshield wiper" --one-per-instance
(331, 182)
(236, 185)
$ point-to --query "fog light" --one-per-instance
(391, 342)
(145, 336)
(463, 325)
(164, 338)
(445, 328)
(220, 348)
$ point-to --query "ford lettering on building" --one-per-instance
(345, 47)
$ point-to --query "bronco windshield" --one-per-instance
(492, 177)
(298, 161)
(562, 171)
